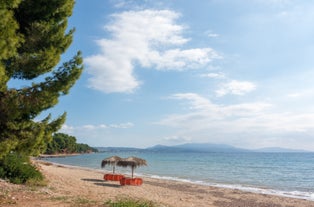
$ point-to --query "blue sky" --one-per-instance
(236, 72)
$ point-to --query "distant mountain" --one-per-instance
(159, 147)
(196, 147)
(117, 149)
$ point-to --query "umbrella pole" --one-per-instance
(132, 171)
(114, 167)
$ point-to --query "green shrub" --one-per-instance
(129, 202)
(18, 169)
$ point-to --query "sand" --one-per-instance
(72, 186)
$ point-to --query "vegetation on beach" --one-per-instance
(18, 169)
(33, 36)
(130, 202)
(66, 144)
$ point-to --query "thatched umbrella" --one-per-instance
(111, 161)
(133, 162)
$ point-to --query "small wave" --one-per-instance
(290, 194)
(175, 179)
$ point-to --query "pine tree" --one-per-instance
(33, 36)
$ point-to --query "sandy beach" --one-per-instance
(72, 186)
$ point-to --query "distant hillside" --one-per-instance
(65, 144)
(117, 149)
(197, 147)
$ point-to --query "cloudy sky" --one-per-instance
(236, 72)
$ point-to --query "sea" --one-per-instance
(284, 174)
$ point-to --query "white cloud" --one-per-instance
(212, 34)
(110, 74)
(67, 128)
(244, 124)
(203, 105)
(274, 1)
(177, 59)
(116, 134)
(236, 88)
(91, 127)
(177, 139)
(195, 101)
(214, 75)
(122, 3)
(150, 38)
(307, 93)
(122, 126)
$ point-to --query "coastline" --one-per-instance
(68, 184)
(258, 190)
(42, 156)
(257, 186)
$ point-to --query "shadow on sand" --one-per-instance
(93, 180)
(100, 182)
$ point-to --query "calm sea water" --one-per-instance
(287, 174)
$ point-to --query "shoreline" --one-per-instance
(250, 189)
(69, 186)
(60, 155)
(86, 183)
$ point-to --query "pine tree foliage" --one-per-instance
(33, 36)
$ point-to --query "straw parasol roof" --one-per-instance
(133, 162)
(111, 161)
